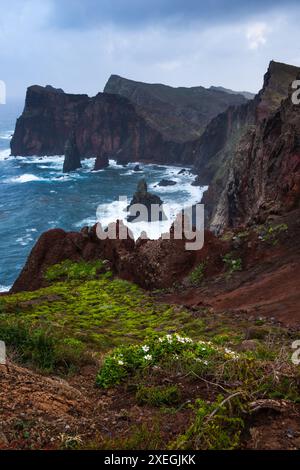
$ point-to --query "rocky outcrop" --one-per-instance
(72, 157)
(148, 200)
(165, 182)
(101, 162)
(179, 114)
(56, 245)
(234, 155)
(149, 263)
(137, 168)
(105, 126)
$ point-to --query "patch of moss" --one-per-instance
(69, 270)
(158, 396)
(99, 313)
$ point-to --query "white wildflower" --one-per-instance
(148, 357)
(145, 348)
(231, 353)
(121, 363)
(188, 340)
(180, 340)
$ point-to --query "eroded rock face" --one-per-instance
(179, 114)
(149, 263)
(56, 245)
(265, 175)
(105, 126)
(249, 155)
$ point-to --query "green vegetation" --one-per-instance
(270, 233)
(68, 270)
(242, 235)
(42, 347)
(143, 437)
(167, 351)
(217, 426)
(232, 264)
(158, 396)
(197, 275)
(83, 315)
(141, 346)
(243, 378)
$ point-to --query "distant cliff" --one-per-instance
(104, 125)
(249, 155)
(131, 121)
(179, 114)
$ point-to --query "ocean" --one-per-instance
(35, 196)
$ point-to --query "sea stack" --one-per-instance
(148, 200)
(101, 162)
(72, 155)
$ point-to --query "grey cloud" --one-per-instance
(91, 13)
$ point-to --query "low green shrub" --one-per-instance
(232, 264)
(270, 233)
(41, 347)
(160, 351)
(197, 275)
(216, 426)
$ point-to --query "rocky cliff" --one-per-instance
(179, 114)
(249, 155)
(106, 125)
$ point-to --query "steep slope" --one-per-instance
(106, 125)
(247, 94)
(245, 150)
(180, 114)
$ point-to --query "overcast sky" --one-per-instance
(77, 44)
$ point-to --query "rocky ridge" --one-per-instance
(247, 153)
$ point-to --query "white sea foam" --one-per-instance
(54, 162)
(114, 164)
(23, 241)
(4, 288)
(6, 135)
(4, 154)
(26, 178)
(110, 212)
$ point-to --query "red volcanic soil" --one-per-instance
(268, 285)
